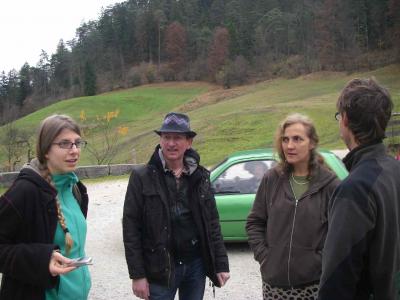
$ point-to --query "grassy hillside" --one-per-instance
(225, 120)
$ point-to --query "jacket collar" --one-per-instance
(34, 165)
(191, 160)
(322, 177)
(64, 180)
(363, 152)
(32, 173)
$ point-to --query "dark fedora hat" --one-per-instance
(176, 122)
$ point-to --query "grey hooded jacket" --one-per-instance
(287, 236)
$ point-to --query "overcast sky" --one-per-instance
(27, 26)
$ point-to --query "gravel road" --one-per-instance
(110, 278)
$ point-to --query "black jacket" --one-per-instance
(362, 249)
(28, 220)
(287, 238)
(147, 223)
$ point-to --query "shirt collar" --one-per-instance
(165, 167)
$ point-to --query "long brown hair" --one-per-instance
(311, 133)
(49, 129)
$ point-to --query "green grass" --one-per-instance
(139, 104)
(243, 118)
(140, 110)
(250, 121)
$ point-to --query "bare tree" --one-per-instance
(15, 143)
(102, 136)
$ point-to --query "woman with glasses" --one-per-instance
(288, 222)
(43, 220)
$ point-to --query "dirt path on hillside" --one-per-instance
(214, 96)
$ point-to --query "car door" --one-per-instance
(235, 188)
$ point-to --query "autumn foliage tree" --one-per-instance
(102, 136)
(334, 40)
(218, 52)
(175, 46)
(324, 27)
(189, 40)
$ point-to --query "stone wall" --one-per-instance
(7, 178)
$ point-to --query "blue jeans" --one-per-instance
(190, 280)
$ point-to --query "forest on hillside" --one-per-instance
(229, 42)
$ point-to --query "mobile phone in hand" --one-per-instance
(79, 262)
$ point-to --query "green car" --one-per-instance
(235, 181)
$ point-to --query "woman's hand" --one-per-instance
(58, 263)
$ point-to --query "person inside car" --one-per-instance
(257, 169)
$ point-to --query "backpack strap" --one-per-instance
(77, 193)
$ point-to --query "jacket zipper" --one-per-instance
(169, 268)
(292, 232)
(291, 239)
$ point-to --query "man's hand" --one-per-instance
(223, 278)
(140, 288)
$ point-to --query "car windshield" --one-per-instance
(217, 165)
(242, 178)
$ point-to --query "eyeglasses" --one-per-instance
(69, 144)
(338, 116)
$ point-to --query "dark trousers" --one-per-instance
(190, 280)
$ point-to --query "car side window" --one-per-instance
(242, 178)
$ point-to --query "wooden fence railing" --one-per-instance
(393, 132)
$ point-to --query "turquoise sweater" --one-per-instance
(76, 284)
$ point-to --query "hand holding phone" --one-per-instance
(79, 262)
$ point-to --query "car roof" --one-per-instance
(265, 153)
(270, 154)
(244, 155)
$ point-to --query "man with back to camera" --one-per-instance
(361, 257)
(171, 228)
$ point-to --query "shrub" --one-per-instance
(197, 70)
(167, 73)
(239, 70)
(151, 73)
(134, 78)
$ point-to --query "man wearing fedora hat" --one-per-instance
(171, 228)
